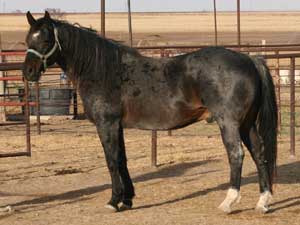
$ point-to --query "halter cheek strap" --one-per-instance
(44, 57)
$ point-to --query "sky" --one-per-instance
(148, 5)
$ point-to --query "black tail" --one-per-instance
(267, 117)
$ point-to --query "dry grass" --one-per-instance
(173, 22)
(182, 28)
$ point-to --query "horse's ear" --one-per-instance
(47, 15)
(30, 18)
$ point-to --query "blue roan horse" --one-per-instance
(122, 89)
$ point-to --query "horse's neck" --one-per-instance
(68, 54)
(70, 59)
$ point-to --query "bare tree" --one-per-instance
(17, 11)
(56, 13)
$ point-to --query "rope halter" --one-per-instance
(44, 57)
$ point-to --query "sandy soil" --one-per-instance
(66, 180)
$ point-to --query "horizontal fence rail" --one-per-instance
(26, 105)
(272, 52)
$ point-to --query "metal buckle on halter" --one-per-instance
(44, 57)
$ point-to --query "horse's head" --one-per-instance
(43, 46)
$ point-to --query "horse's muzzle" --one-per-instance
(32, 71)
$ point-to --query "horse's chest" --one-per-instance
(96, 104)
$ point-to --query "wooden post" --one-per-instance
(2, 91)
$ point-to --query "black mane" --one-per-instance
(97, 56)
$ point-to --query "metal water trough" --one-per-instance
(53, 100)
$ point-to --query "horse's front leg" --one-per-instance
(111, 135)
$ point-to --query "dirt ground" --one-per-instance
(66, 180)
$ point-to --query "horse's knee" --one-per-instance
(236, 154)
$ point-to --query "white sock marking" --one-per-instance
(6, 209)
(233, 195)
(263, 202)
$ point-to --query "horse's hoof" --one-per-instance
(7, 209)
(225, 208)
(111, 208)
(264, 200)
(233, 196)
(126, 205)
(262, 209)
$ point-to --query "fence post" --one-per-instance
(27, 117)
(38, 108)
(238, 23)
(167, 54)
(154, 134)
(103, 18)
(292, 106)
(215, 22)
(154, 149)
(75, 104)
(277, 74)
(2, 91)
(129, 23)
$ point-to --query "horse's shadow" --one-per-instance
(81, 194)
(287, 174)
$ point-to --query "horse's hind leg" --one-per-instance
(254, 143)
(231, 139)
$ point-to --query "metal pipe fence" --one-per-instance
(26, 104)
(280, 52)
